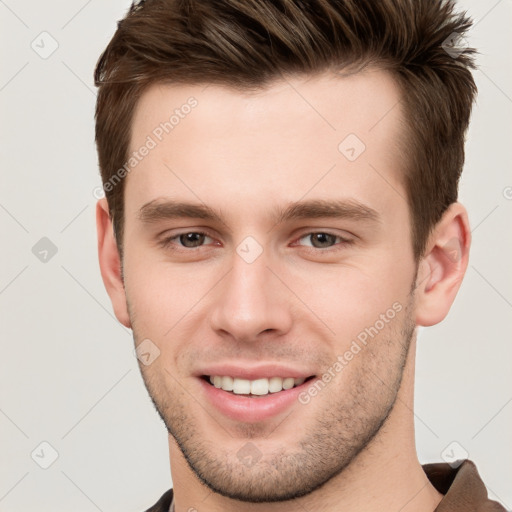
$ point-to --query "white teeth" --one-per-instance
(259, 387)
(241, 386)
(275, 384)
(254, 387)
(227, 383)
(288, 383)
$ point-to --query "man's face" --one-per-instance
(268, 290)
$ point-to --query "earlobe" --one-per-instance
(443, 266)
(110, 263)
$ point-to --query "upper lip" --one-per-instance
(245, 371)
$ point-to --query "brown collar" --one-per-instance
(462, 486)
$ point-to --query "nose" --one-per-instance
(251, 302)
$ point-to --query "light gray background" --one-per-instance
(68, 375)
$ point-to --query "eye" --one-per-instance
(189, 240)
(323, 240)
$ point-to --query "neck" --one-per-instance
(386, 476)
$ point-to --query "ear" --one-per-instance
(110, 262)
(443, 266)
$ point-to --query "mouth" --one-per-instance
(249, 393)
(256, 388)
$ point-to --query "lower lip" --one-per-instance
(250, 410)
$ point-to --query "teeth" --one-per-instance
(288, 383)
(275, 384)
(259, 387)
(227, 383)
(254, 387)
(241, 386)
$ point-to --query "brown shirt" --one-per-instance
(462, 487)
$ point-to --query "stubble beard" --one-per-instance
(349, 420)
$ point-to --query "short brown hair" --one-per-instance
(246, 44)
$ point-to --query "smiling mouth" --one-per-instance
(254, 388)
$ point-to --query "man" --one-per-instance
(281, 214)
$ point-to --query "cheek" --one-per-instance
(161, 294)
(350, 299)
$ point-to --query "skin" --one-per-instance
(246, 155)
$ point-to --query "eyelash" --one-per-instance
(167, 243)
(336, 247)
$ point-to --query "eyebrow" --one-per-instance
(335, 209)
(158, 210)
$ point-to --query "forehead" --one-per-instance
(299, 135)
(332, 102)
